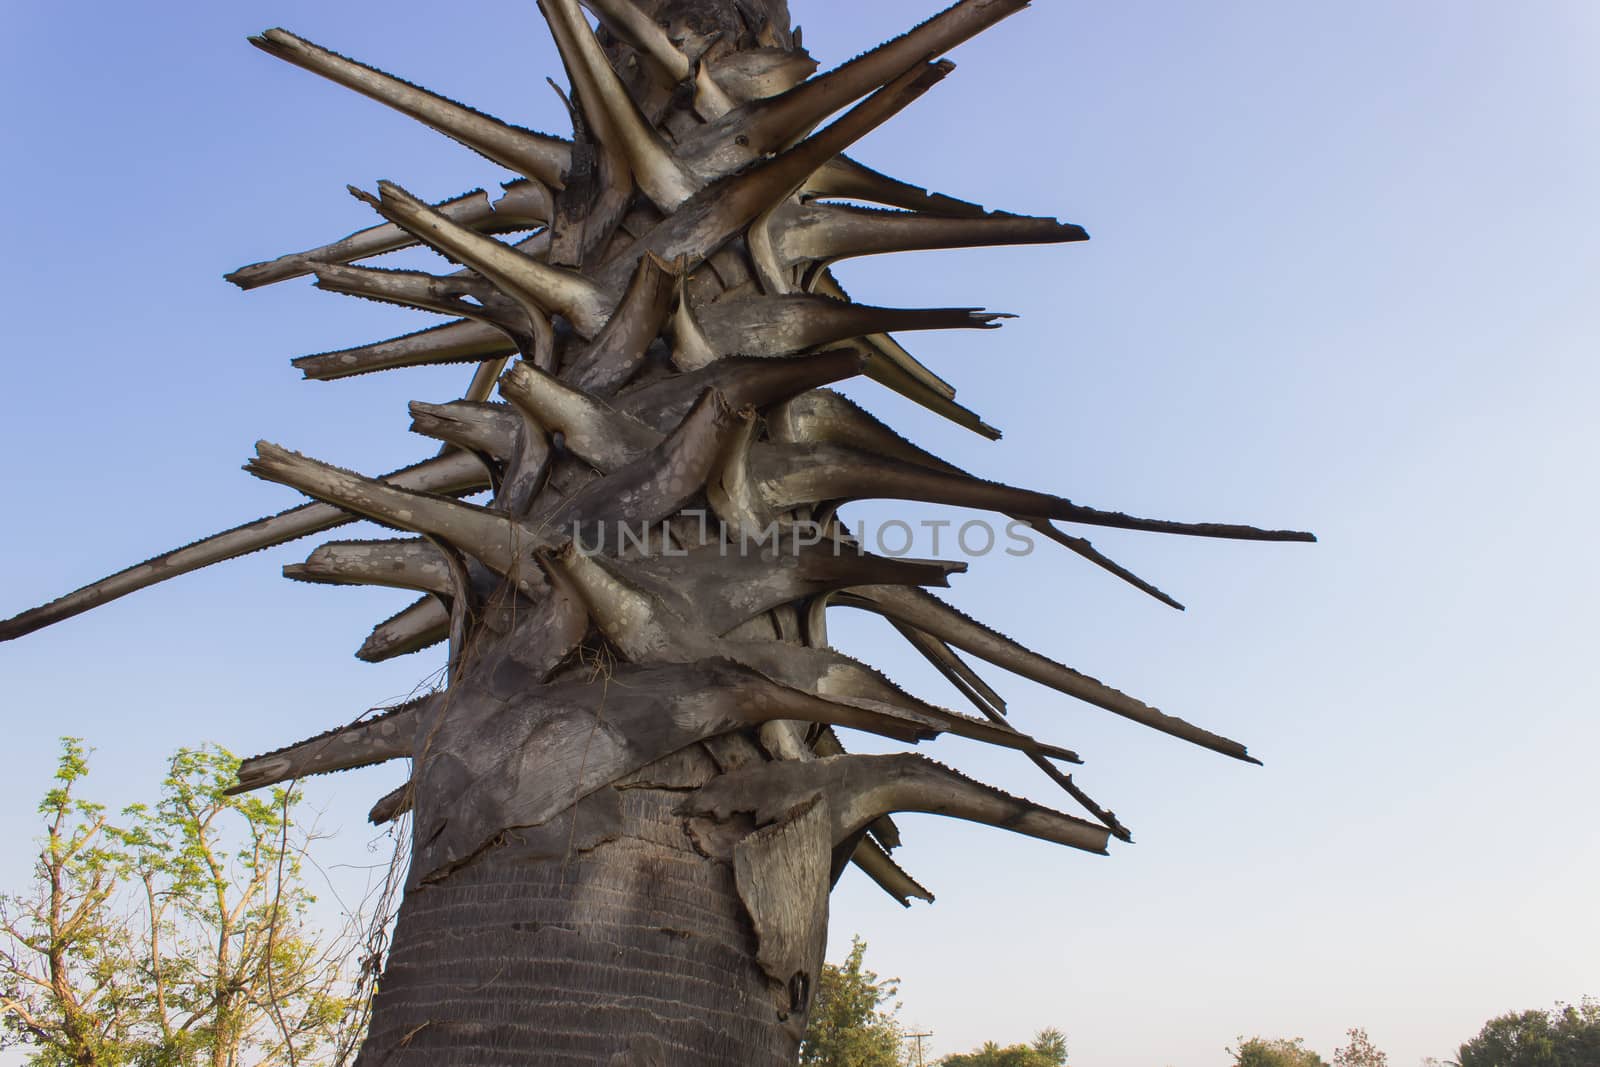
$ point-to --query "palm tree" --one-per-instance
(629, 801)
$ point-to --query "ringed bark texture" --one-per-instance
(635, 952)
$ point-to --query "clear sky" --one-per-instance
(1343, 277)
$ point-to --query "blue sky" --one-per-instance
(1342, 278)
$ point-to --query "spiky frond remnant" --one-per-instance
(653, 302)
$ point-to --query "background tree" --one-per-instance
(1516, 1039)
(1048, 1049)
(1566, 1036)
(179, 937)
(853, 1017)
(1360, 1052)
(1577, 1031)
(1051, 1043)
(68, 969)
(1275, 1052)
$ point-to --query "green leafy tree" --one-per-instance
(175, 939)
(1360, 1052)
(67, 962)
(1567, 1036)
(1051, 1044)
(852, 1021)
(1048, 1049)
(1275, 1052)
(1515, 1039)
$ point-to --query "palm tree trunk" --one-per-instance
(613, 942)
(634, 953)
(624, 947)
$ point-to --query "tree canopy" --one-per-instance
(173, 936)
(1566, 1036)
(1359, 1052)
(853, 1021)
(1048, 1049)
(1275, 1052)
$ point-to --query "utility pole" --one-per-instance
(918, 1039)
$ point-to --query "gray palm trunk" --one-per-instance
(630, 800)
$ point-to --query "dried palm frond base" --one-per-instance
(630, 801)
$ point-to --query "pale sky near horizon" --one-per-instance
(1342, 277)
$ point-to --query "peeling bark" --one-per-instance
(782, 874)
